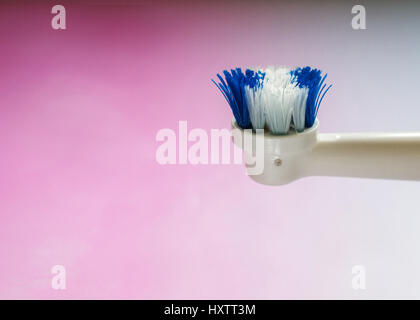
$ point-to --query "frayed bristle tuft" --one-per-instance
(254, 100)
(276, 94)
(311, 79)
(274, 97)
(233, 89)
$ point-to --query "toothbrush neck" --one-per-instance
(371, 155)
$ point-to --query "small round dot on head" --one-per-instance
(277, 162)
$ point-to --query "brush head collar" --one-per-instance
(284, 155)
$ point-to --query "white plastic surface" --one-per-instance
(364, 155)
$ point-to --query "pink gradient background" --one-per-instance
(80, 187)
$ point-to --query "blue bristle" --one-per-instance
(232, 89)
(311, 78)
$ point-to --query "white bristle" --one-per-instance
(299, 107)
(255, 107)
(278, 109)
(276, 102)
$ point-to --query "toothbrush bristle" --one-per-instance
(274, 97)
(276, 93)
(235, 93)
(254, 98)
(311, 78)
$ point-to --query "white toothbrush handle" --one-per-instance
(368, 155)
